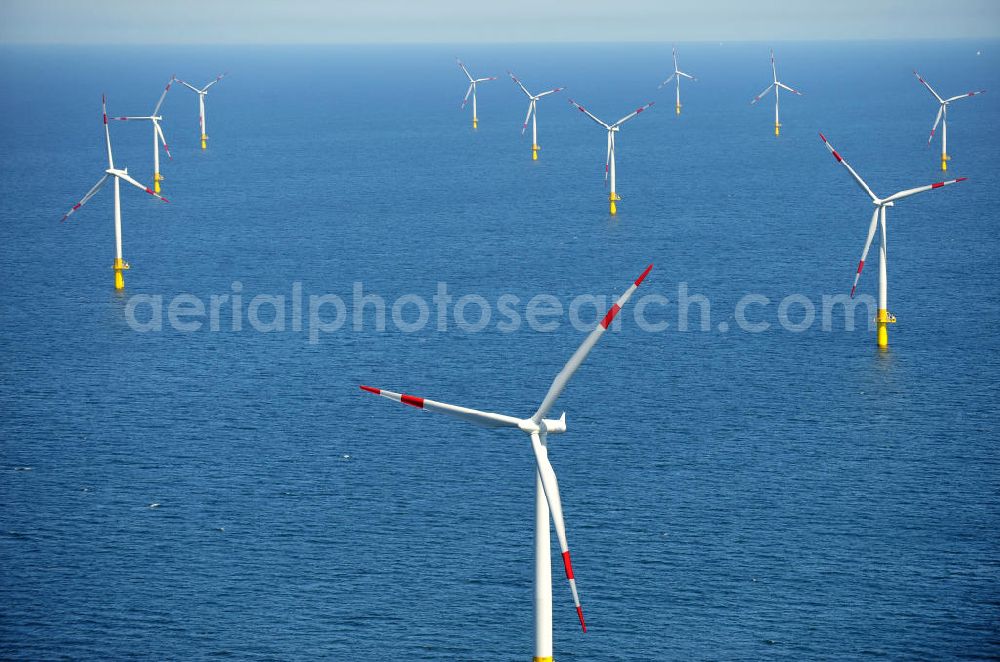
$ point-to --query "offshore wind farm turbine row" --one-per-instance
(884, 317)
(120, 175)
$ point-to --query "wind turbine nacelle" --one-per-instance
(554, 426)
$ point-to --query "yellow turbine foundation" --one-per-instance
(157, 178)
(534, 152)
(613, 198)
(777, 129)
(547, 658)
(944, 161)
(203, 139)
(678, 107)
(475, 122)
(119, 266)
(885, 318)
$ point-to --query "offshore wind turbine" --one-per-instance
(776, 84)
(158, 136)
(118, 175)
(942, 116)
(472, 90)
(547, 500)
(532, 113)
(677, 75)
(201, 104)
(609, 162)
(878, 218)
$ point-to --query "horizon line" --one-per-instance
(496, 42)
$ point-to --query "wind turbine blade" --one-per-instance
(675, 60)
(920, 189)
(126, 119)
(550, 486)
(774, 69)
(125, 178)
(488, 78)
(560, 381)
(632, 114)
(164, 95)
(467, 93)
(855, 175)
(928, 86)
(217, 79)
(681, 73)
(607, 160)
(965, 96)
(531, 106)
(189, 86)
(462, 66)
(868, 245)
(589, 114)
(519, 84)
(761, 95)
(789, 89)
(91, 193)
(163, 139)
(107, 131)
(672, 76)
(548, 92)
(936, 121)
(481, 418)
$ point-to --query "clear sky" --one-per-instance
(454, 21)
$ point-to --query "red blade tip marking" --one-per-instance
(861, 265)
(638, 281)
(579, 613)
(961, 179)
(852, 291)
(412, 400)
(937, 184)
(370, 389)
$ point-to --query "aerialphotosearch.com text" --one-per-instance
(317, 315)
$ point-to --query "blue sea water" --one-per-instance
(728, 495)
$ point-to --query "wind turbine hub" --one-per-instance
(529, 426)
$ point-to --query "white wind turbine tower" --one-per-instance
(201, 104)
(775, 84)
(609, 162)
(118, 175)
(878, 217)
(158, 136)
(533, 113)
(677, 75)
(547, 501)
(472, 90)
(942, 117)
